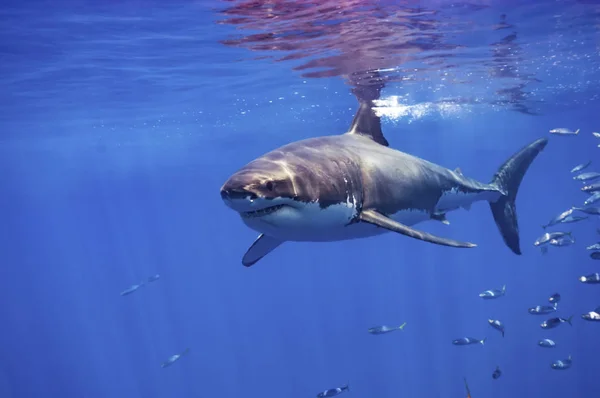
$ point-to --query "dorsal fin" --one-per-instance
(367, 87)
(368, 124)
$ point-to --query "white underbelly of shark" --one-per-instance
(308, 222)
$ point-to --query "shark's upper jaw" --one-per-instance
(262, 212)
(250, 205)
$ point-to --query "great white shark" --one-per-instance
(354, 185)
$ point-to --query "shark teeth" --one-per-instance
(262, 212)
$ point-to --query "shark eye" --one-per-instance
(269, 185)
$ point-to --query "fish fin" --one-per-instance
(569, 319)
(503, 289)
(503, 333)
(577, 132)
(507, 179)
(401, 327)
(262, 246)
(458, 171)
(378, 219)
(441, 217)
(366, 122)
(482, 341)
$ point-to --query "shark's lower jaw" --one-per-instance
(261, 212)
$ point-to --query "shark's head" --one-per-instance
(289, 192)
(260, 188)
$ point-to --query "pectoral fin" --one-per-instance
(375, 218)
(262, 246)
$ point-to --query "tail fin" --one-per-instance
(569, 320)
(401, 327)
(346, 387)
(507, 179)
(577, 132)
(482, 341)
(504, 289)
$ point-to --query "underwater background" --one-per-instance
(120, 121)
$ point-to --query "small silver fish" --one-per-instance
(595, 246)
(385, 329)
(543, 309)
(493, 293)
(174, 358)
(592, 199)
(131, 289)
(592, 279)
(595, 187)
(564, 131)
(580, 167)
(562, 364)
(548, 236)
(572, 219)
(597, 135)
(498, 325)
(558, 219)
(554, 322)
(592, 316)
(547, 343)
(589, 176)
(332, 392)
(468, 341)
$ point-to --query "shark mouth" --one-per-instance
(262, 212)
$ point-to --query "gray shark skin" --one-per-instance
(354, 186)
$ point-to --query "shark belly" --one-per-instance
(458, 197)
(311, 223)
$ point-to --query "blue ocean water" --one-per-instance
(120, 121)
